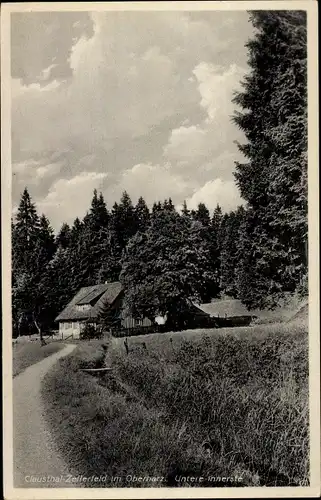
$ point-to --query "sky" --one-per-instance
(135, 101)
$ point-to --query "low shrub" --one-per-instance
(91, 331)
(89, 355)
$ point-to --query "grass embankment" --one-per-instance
(28, 353)
(232, 406)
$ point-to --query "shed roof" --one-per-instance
(197, 310)
(95, 295)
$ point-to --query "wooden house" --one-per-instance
(86, 306)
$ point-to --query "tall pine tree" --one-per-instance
(64, 236)
(185, 210)
(230, 250)
(202, 215)
(142, 214)
(91, 248)
(33, 247)
(273, 180)
(24, 234)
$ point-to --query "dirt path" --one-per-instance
(36, 459)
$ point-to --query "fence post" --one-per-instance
(126, 345)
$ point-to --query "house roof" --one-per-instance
(198, 311)
(222, 307)
(96, 294)
(92, 295)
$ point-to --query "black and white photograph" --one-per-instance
(160, 249)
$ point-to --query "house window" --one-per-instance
(83, 307)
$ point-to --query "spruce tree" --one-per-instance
(45, 242)
(64, 236)
(108, 317)
(76, 232)
(110, 265)
(185, 210)
(98, 214)
(90, 248)
(24, 234)
(230, 251)
(157, 207)
(32, 249)
(273, 178)
(215, 246)
(128, 222)
(168, 205)
(142, 214)
(217, 218)
(202, 215)
(56, 283)
(123, 220)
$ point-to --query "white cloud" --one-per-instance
(68, 199)
(135, 91)
(32, 172)
(135, 84)
(48, 170)
(206, 150)
(19, 90)
(218, 191)
(153, 182)
(186, 144)
(216, 85)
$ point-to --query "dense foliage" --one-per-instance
(167, 266)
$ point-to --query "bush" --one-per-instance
(91, 331)
(303, 288)
(89, 355)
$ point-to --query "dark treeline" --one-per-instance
(47, 270)
(256, 253)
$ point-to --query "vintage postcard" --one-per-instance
(160, 250)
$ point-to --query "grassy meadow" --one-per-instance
(26, 353)
(229, 406)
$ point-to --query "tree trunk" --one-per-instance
(42, 341)
(19, 324)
